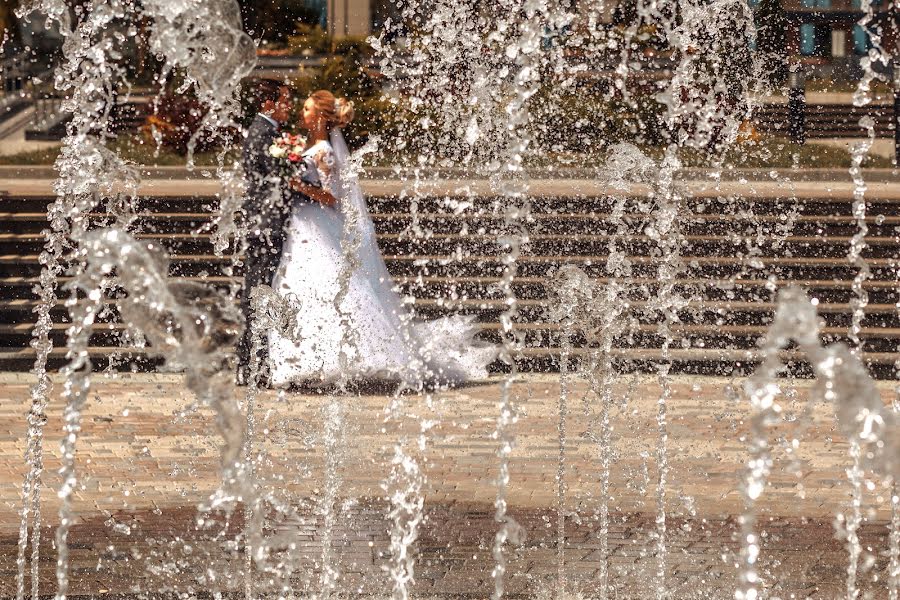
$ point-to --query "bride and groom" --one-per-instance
(351, 322)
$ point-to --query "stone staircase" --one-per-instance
(829, 120)
(41, 120)
(730, 249)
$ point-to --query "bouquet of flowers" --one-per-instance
(287, 150)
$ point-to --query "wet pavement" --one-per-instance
(147, 459)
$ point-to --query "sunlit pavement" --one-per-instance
(146, 459)
(883, 186)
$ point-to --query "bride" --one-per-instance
(351, 323)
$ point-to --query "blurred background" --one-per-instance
(316, 44)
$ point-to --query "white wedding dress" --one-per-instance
(379, 338)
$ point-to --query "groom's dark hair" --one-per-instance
(268, 90)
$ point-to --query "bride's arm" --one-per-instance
(315, 193)
(324, 162)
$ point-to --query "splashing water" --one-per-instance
(524, 54)
(88, 172)
(858, 241)
(668, 304)
(595, 312)
(333, 418)
(842, 380)
(893, 579)
(568, 284)
(859, 151)
(187, 325)
(334, 414)
(853, 520)
(91, 173)
(269, 312)
(494, 58)
(406, 484)
(706, 39)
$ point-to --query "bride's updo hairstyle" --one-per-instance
(337, 112)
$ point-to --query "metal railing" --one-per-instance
(13, 81)
(21, 84)
(47, 101)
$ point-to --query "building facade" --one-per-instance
(349, 18)
(827, 37)
(353, 18)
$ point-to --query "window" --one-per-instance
(807, 39)
(815, 39)
(861, 41)
(838, 43)
(322, 8)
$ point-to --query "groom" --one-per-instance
(267, 206)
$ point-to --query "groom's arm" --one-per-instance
(310, 173)
(309, 184)
(322, 163)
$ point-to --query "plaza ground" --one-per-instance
(147, 458)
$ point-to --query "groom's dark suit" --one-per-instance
(267, 208)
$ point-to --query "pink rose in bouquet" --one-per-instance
(287, 150)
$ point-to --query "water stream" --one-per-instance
(893, 574)
(478, 78)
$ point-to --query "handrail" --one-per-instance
(13, 78)
(19, 83)
(47, 102)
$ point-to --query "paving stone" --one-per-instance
(800, 554)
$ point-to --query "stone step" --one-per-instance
(707, 335)
(532, 308)
(786, 268)
(831, 120)
(692, 360)
(445, 251)
(825, 202)
(708, 321)
(810, 226)
(752, 291)
(682, 329)
(538, 244)
(592, 218)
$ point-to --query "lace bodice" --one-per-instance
(322, 155)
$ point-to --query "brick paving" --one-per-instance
(147, 458)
